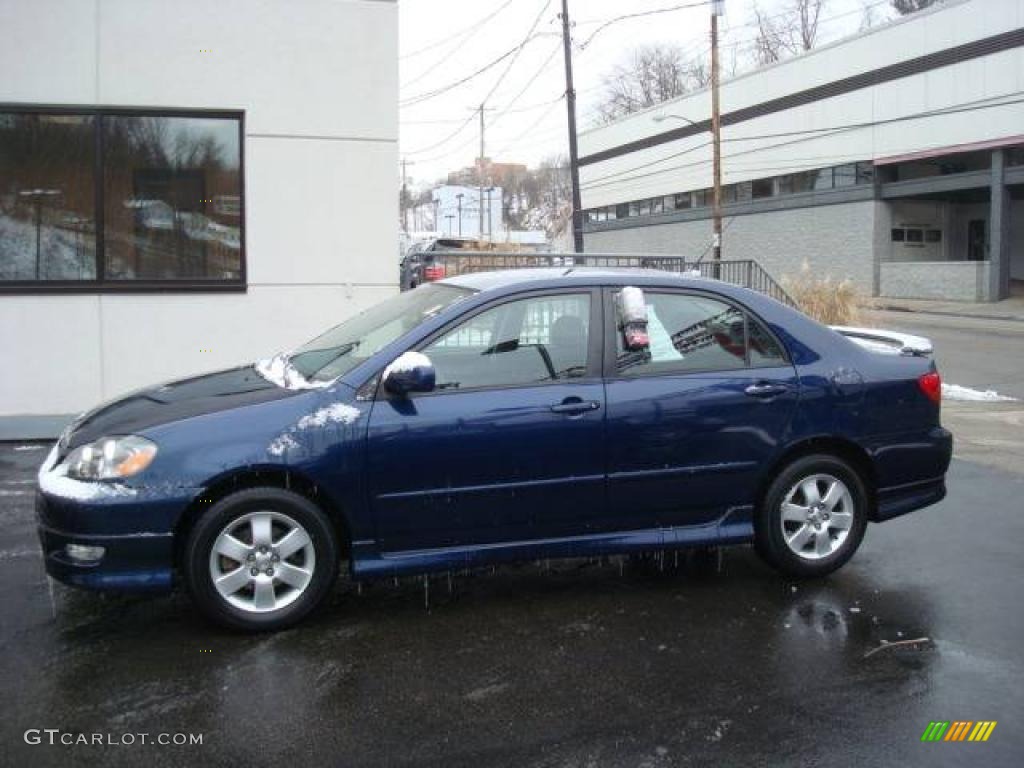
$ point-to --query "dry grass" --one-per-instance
(826, 300)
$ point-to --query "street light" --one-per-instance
(37, 197)
(663, 118)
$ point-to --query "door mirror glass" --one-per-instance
(409, 372)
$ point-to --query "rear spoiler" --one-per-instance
(887, 342)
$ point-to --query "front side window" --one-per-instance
(530, 341)
(114, 198)
(695, 333)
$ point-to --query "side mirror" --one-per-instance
(409, 372)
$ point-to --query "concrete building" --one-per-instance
(894, 158)
(187, 185)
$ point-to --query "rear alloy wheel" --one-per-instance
(813, 517)
(261, 559)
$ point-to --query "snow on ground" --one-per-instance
(956, 392)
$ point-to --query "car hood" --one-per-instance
(176, 400)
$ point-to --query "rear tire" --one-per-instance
(261, 559)
(813, 516)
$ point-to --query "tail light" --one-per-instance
(433, 272)
(931, 384)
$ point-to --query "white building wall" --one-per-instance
(685, 164)
(318, 85)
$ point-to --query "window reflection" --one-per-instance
(47, 197)
(172, 198)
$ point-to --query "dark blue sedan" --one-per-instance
(496, 417)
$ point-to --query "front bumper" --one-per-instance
(133, 524)
(140, 562)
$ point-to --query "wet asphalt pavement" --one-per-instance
(572, 664)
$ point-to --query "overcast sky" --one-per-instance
(443, 41)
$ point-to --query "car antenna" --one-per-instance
(568, 271)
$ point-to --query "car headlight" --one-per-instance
(110, 458)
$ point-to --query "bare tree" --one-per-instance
(653, 74)
(788, 32)
(904, 7)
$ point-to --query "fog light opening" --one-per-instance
(84, 553)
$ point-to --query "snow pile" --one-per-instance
(336, 413)
(956, 392)
(55, 482)
(405, 362)
(279, 370)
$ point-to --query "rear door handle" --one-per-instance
(766, 389)
(575, 405)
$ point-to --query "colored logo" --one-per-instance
(958, 730)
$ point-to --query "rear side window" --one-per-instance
(696, 333)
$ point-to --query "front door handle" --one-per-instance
(766, 389)
(575, 406)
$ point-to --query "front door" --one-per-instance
(509, 446)
(693, 417)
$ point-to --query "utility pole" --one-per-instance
(570, 104)
(480, 176)
(716, 140)
(490, 224)
(459, 198)
(405, 222)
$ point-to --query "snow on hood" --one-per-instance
(55, 482)
(956, 392)
(279, 370)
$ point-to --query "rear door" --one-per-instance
(694, 417)
(509, 447)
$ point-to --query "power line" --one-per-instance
(529, 36)
(457, 35)
(427, 95)
(627, 16)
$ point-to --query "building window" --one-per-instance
(899, 235)
(915, 236)
(634, 208)
(762, 188)
(844, 175)
(108, 199)
(702, 198)
(683, 201)
(622, 211)
(47, 197)
(744, 192)
(933, 236)
(865, 173)
(657, 204)
(822, 178)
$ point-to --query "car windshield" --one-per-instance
(345, 346)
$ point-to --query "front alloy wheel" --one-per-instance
(260, 559)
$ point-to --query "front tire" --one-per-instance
(261, 559)
(813, 516)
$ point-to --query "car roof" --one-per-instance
(555, 276)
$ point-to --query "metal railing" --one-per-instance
(747, 273)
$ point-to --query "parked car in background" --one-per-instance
(494, 417)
